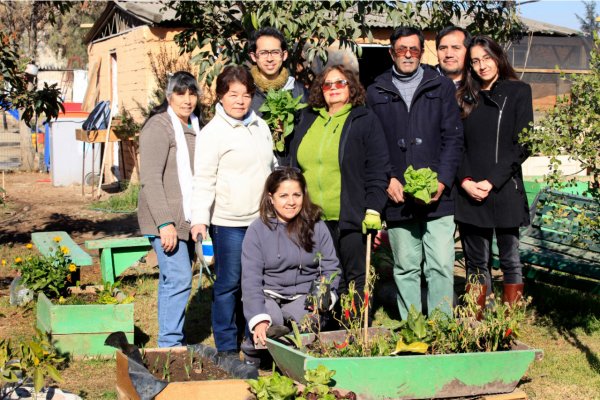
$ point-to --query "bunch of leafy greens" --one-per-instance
(279, 111)
(273, 387)
(420, 183)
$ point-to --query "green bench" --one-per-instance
(47, 243)
(118, 254)
(560, 247)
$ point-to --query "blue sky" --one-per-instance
(557, 12)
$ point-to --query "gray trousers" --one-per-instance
(280, 311)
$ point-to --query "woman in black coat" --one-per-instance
(496, 107)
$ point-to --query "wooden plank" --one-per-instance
(85, 344)
(516, 394)
(117, 242)
(46, 244)
(96, 136)
(587, 256)
(562, 280)
(560, 262)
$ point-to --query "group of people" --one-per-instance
(281, 222)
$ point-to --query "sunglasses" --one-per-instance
(339, 84)
(402, 50)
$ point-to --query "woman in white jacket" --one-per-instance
(234, 156)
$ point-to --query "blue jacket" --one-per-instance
(429, 135)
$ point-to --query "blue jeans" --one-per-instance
(226, 311)
(430, 244)
(174, 287)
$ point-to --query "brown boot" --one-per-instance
(480, 297)
(512, 293)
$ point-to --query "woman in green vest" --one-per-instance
(340, 147)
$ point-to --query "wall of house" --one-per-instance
(135, 81)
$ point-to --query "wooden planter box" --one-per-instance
(230, 389)
(412, 377)
(81, 329)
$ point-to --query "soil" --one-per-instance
(176, 367)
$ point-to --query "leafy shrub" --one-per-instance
(47, 274)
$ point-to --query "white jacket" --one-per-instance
(231, 163)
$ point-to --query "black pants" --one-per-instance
(351, 251)
(477, 243)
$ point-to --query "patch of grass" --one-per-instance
(123, 202)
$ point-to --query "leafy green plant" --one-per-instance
(273, 387)
(33, 361)
(124, 202)
(47, 274)
(420, 183)
(111, 294)
(127, 128)
(279, 111)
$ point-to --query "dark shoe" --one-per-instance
(277, 331)
(227, 355)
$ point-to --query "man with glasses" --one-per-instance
(268, 51)
(451, 44)
(422, 125)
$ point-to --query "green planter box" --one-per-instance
(412, 377)
(80, 330)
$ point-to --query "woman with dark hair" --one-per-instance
(283, 252)
(340, 147)
(496, 107)
(164, 207)
(234, 157)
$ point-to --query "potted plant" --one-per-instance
(424, 358)
(78, 318)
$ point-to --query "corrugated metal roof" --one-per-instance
(154, 12)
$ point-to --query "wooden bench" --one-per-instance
(118, 254)
(560, 246)
(47, 243)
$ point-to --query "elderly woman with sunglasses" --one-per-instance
(340, 147)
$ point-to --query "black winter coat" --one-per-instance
(363, 159)
(493, 152)
(429, 135)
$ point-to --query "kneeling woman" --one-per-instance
(283, 253)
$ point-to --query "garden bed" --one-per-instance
(411, 376)
(81, 329)
(165, 373)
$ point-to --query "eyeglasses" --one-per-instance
(339, 84)
(476, 63)
(266, 53)
(402, 50)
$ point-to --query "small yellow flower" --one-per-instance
(29, 245)
(64, 249)
(57, 239)
(72, 267)
(18, 260)
(61, 300)
(3, 262)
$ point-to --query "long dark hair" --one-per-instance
(302, 228)
(180, 82)
(467, 94)
(316, 99)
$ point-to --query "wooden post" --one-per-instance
(366, 292)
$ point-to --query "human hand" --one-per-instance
(473, 191)
(372, 221)
(395, 191)
(439, 192)
(198, 229)
(260, 333)
(168, 238)
(485, 185)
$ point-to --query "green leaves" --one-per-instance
(273, 387)
(47, 274)
(278, 111)
(420, 183)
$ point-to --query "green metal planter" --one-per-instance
(80, 330)
(412, 377)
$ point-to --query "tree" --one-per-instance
(310, 26)
(589, 24)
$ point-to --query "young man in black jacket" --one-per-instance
(421, 121)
